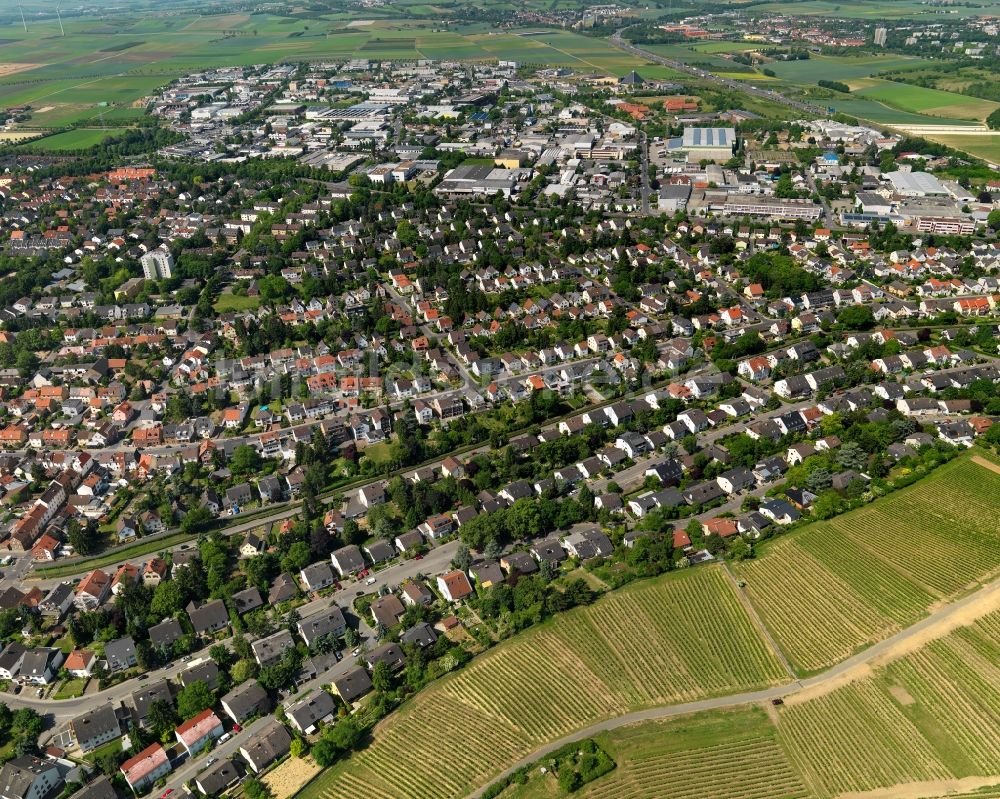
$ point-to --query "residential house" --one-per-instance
(270, 744)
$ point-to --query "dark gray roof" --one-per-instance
(211, 615)
(246, 699)
(247, 600)
(267, 746)
(422, 635)
(320, 624)
(217, 778)
(120, 653)
(313, 708)
(101, 788)
(282, 589)
(144, 697)
(165, 633)
(206, 672)
(353, 684)
(18, 775)
(95, 723)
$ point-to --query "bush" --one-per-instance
(835, 85)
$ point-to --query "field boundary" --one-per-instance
(759, 622)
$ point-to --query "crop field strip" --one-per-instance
(876, 581)
(755, 768)
(864, 575)
(815, 617)
(667, 656)
(943, 531)
(857, 739)
(695, 640)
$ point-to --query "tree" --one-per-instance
(193, 699)
(168, 599)
(221, 655)
(857, 317)
(382, 678)
(255, 789)
(195, 520)
(245, 461)
(463, 558)
(162, 718)
(993, 120)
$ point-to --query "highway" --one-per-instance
(735, 85)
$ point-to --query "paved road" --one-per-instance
(736, 85)
(938, 619)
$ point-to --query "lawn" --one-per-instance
(228, 303)
(677, 638)
(109, 748)
(99, 561)
(70, 689)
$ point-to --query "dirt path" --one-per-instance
(961, 613)
(979, 459)
(924, 790)
(759, 623)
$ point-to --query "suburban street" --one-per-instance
(435, 561)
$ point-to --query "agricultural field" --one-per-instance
(921, 717)
(986, 146)
(933, 102)
(681, 637)
(823, 593)
(916, 726)
(841, 68)
(874, 11)
(863, 576)
(104, 68)
(77, 139)
(722, 754)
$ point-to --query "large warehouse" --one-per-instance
(706, 144)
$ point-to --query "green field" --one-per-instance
(682, 637)
(842, 68)
(227, 303)
(986, 147)
(867, 574)
(78, 139)
(933, 102)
